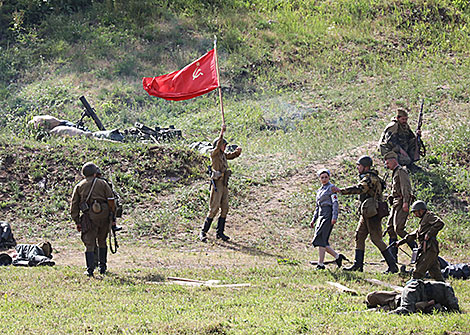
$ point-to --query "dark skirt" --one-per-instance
(323, 227)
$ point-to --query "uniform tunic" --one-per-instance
(418, 291)
(396, 136)
(101, 193)
(219, 198)
(430, 224)
(370, 186)
(325, 211)
(401, 192)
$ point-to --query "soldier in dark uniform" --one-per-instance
(219, 190)
(399, 138)
(417, 296)
(399, 199)
(370, 191)
(95, 199)
(429, 226)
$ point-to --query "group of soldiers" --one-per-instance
(398, 147)
(93, 205)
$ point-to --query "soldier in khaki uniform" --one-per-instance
(428, 253)
(93, 197)
(370, 191)
(399, 138)
(400, 200)
(417, 295)
(219, 189)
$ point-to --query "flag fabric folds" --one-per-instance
(195, 79)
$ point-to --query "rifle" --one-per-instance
(420, 149)
(90, 112)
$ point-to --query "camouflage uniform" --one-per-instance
(219, 189)
(417, 294)
(430, 224)
(396, 136)
(100, 221)
(370, 186)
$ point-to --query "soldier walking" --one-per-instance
(219, 190)
(94, 199)
(399, 200)
(429, 225)
(399, 138)
(369, 190)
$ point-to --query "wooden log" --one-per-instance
(343, 288)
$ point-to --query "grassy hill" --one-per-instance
(306, 84)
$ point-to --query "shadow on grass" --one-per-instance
(247, 250)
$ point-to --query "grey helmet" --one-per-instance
(89, 169)
(365, 161)
(417, 205)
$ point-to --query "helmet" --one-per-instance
(417, 205)
(89, 169)
(214, 144)
(365, 161)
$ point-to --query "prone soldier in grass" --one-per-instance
(429, 225)
(399, 200)
(369, 189)
(417, 296)
(220, 175)
(91, 207)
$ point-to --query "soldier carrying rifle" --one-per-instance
(399, 138)
(428, 252)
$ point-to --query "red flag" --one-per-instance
(195, 79)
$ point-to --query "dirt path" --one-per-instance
(261, 222)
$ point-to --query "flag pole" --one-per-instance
(218, 80)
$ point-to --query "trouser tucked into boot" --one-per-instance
(393, 250)
(392, 265)
(358, 262)
(103, 253)
(205, 229)
(90, 263)
(221, 228)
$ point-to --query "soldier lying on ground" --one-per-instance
(417, 296)
(33, 254)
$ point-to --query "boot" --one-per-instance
(90, 263)
(205, 229)
(358, 262)
(339, 260)
(220, 230)
(392, 265)
(103, 253)
(393, 250)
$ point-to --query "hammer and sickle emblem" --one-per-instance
(197, 72)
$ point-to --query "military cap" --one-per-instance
(390, 155)
(321, 171)
(417, 205)
(89, 169)
(214, 144)
(402, 112)
(365, 161)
